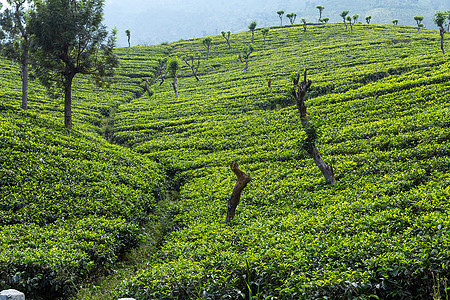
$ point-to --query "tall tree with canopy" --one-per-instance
(395, 21)
(418, 20)
(252, 28)
(355, 18)
(303, 20)
(292, 17)
(226, 36)
(368, 19)
(173, 66)
(69, 39)
(349, 19)
(344, 14)
(265, 33)
(16, 34)
(320, 8)
(128, 33)
(439, 19)
(246, 54)
(207, 42)
(280, 14)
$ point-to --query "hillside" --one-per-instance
(380, 99)
(154, 22)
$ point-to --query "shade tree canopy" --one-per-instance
(368, 19)
(69, 39)
(252, 27)
(320, 8)
(280, 14)
(15, 33)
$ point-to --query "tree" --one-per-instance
(208, 44)
(355, 18)
(174, 66)
(128, 33)
(241, 182)
(292, 17)
(162, 69)
(303, 20)
(368, 19)
(344, 15)
(69, 39)
(298, 92)
(265, 32)
(320, 8)
(419, 20)
(252, 27)
(226, 36)
(325, 20)
(193, 63)
(246, 53)
(349, 19)
(17, 45)
(439, 19)
(280, 14)
(395, 21)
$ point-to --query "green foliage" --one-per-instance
(368, 19)
(252, 25)
(439, 18)
(381, 103)
(395, 21)
(418, 19)
(383, 125)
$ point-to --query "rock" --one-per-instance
(11, 295)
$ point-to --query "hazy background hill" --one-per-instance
(156, 21)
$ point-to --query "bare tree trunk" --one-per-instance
(253, 36)
(442, 32)
(24, 75)
(175, 86)
(207, 53)
(68, 101)
(242, 181)
(246, 64)
(299, 92)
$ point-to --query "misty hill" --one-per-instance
(153, 22)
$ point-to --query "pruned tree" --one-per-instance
(193, 63)
(265, 33)
(246, 52)
(355, 18)
(207, 42)
(349, 19)
(280, 14)
(252, 28)
(395, 21)
(419, 20)
(226, 36)
(241, 182)
(162, 69)
(69, 39)
(344, 14)
(173, 66)
(298, 92)
(303, 20)
(325, 20)
(292, 17)
(368, 19)
(439, 19)
(128, 33)
(17, 39)
(320, 8)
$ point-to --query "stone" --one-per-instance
(11, 295)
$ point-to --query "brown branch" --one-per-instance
(242, 180)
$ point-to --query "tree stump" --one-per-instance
(242, 180)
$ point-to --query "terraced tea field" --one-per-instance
(380, 99)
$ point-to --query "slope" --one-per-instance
(380, 98)
(70, 203)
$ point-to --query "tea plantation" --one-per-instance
(73, 202)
